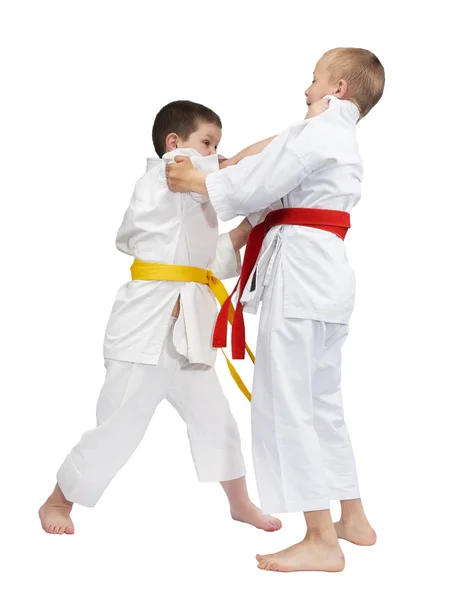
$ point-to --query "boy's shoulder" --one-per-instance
(154, 175)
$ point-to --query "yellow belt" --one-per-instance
(147, 271)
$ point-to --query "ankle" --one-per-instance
(352, 511)
(57, 498)
(353, 518)
(325, 535)
(238, 505)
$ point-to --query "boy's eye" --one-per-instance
(206, 142)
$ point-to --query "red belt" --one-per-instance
(334, 221)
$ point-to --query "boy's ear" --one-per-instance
(171, 142)
(342, 89)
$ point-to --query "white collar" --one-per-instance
(347, 108)
(169, 157)
(206, 164)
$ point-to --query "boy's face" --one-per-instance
(321, 85)
(204, 140)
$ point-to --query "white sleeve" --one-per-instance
(258, 181)
(258, 217)
(128, 229)
(227, 262)
(148, 207)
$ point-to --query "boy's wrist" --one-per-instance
(240, 234)
(198, 184)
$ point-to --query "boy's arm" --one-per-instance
(227, 260)
(251, 186)
(258, 181)
(249, 151)
(314, 110)
(240, 234)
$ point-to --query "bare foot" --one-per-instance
(308, 555)
(357, 532)
(251, 514)
(55, 514)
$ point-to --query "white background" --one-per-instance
(82, 82)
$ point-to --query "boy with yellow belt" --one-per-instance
(158, 338)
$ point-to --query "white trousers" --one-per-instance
(128, 399)
(301, 448)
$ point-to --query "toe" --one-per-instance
(70, 530)
(275, 524)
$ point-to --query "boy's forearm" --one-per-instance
(255, 148)
(240, 235)
(249, 151)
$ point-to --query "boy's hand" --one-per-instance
(180, 176)
(317, 108)
(183, 177)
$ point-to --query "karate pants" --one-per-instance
(301, 448)
(128, 399)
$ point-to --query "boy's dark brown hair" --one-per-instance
(182, 117)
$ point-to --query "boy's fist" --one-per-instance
(180, 175)
(317, 108)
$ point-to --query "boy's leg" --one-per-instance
(329, 420)
(126, 404)
(214, 439)
(335, 442)
(127, 401)
(289, 466)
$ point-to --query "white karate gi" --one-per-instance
(148, 354)
(302, 452)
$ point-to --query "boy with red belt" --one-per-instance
(302, 452)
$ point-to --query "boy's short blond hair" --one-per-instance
(362, 71)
